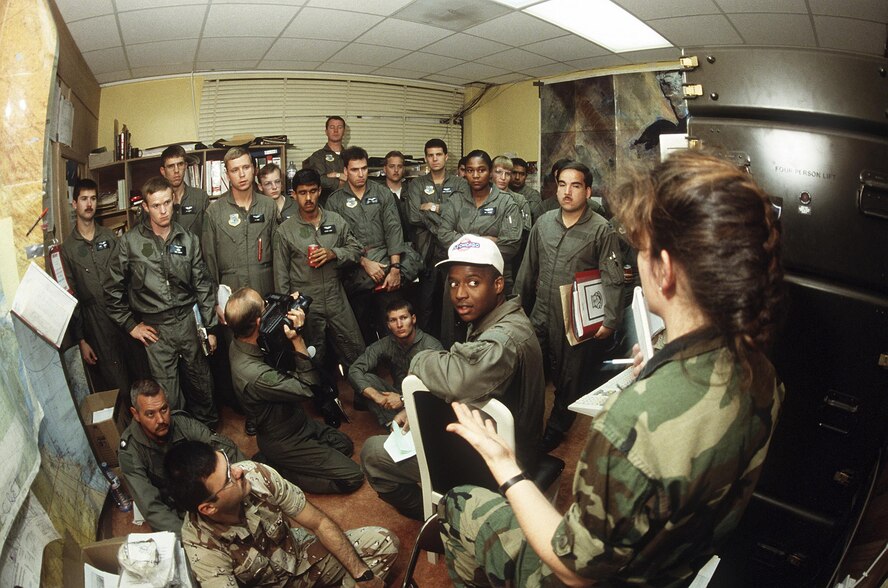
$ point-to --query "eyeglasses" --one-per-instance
(228, 480)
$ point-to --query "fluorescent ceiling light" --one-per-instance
(602, 22)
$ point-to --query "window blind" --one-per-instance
(381, 116)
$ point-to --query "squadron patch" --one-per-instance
(234, 219)
(351, 202)
(429, 189)
(329, 157)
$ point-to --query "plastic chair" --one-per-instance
(428, 539)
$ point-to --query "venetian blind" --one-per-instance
(381, 116)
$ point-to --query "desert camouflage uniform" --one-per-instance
(555, 253)
(667, 471)
(267, 551)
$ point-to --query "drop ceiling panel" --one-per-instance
(566, 48)
(304, 49)
(236, 20)
(598, 62)
(376, 55)
(348, 68)
(95, 33)
(180, 22)
(548, 70)
(226, 49)
(874, 10)
(125, 5)
(453, 15)
(225, 65)
(651, 55)
(420, 61)
(106, 60)
(509, 78)
(404, 34)
(474, 71)
(161, 70)
(645, 9)
(516, 29)
(286, 65)
(163, 52)
(849, 34)
(394, 72)
(793, 30)
(515, 60)
(335, 25)
(117, 76)
(380, 7)
(465, 47)
(688, 31)
(788, 6)
(78, 9)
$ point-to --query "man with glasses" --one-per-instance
(245, 524)
(272, 185)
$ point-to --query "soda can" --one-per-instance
(311, 249)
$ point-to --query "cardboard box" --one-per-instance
(101, 555)
(98, 159)
(104, 435)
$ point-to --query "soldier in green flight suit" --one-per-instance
(154, 281)
(112, 358)
(155, 430)
(326, 160)
(189, 202)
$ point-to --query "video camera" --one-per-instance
(278, 352)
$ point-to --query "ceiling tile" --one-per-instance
(517, 29)
(744, 6)
(447, 79)
(598, 62)
(873, 10)
(95, 33)
(106, 60)
(509, 78)
(117, 76)
(549, 70)
(375, 55)
(651, 55)
(335, 25)
(566, 48)
(226, 50)
(125, 5)
(78, 9)
(775, 29)
(850, 34)
(645, 9)
(282, 2)
(284, 65)
(348, 68)
(145, 54)
(395, 72)
(426, 62)
(304, 49)
(161, 70)
(225, 65)
(235, 20)
(404, 34)
(453, 15)
(688, 31)
(474, 71)
(515, 60)
(465, 47)
(180, 22)
(381, 7)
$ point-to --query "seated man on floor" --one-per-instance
(500, 359)
(308, 453)
(395, 351)
(246, 525)
(154, 430)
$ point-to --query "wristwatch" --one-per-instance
(338, 176)
(434, 207)
(395, 265)
(365, 577)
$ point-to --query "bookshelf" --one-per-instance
(120, 181)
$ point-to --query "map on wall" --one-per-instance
(609, 123)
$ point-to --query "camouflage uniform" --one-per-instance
(666, 473)
(158, 282)
(555, 253)
(141, 460)
(267, 550)
(330, 313)
(86, 267)
(389, 352)
(324, 161)
(306, 452)
(237, 243)
(502, 360)
(190, 212)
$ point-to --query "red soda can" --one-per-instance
(311, 249)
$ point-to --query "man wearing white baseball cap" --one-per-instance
(501, 358)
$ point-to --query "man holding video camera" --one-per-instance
(310, 454)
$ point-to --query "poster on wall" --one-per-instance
(610, 123)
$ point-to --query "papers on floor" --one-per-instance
(399, 444)
(152, 559)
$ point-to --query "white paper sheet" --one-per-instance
(43, 305)
(399, 445)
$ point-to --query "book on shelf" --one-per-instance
(216, 178)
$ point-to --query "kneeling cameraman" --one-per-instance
(312, 455)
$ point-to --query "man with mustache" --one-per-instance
(155, 429)
(109, 355)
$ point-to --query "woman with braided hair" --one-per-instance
(670, 465)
